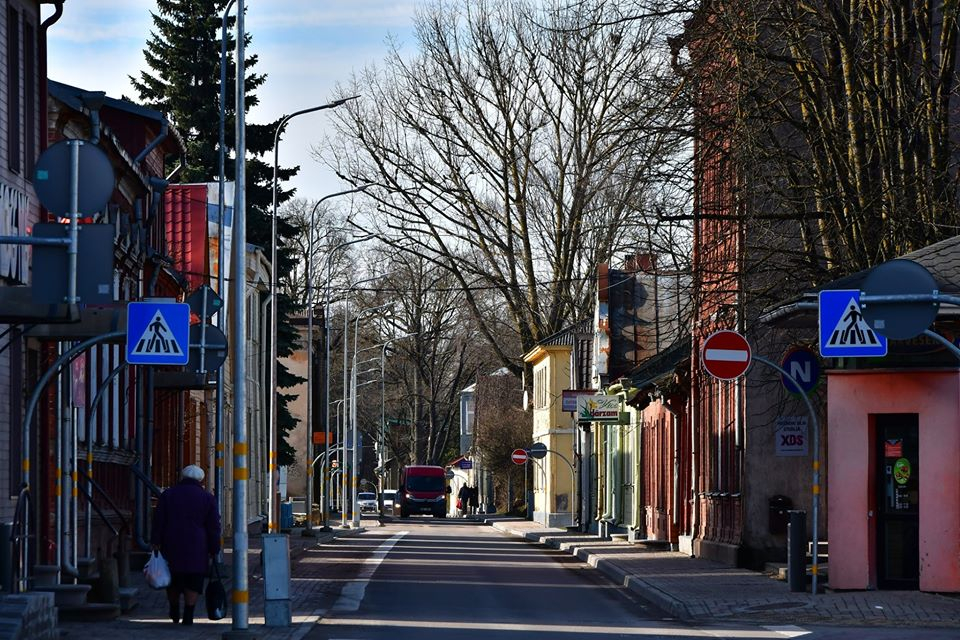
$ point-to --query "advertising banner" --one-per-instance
(598, 408)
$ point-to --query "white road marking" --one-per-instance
(726, 355)
(352, 594)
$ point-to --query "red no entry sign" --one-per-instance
(519, 456)
(725, 355)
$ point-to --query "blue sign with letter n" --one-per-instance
(803, 365)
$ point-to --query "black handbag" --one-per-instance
(216, 595)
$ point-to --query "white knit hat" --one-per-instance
(193, 472)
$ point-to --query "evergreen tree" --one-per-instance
(183, 81)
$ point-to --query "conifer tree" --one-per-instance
(183, 81)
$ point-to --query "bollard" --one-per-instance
(797, 551)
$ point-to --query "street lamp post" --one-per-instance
(310, 306)
(353, 411)
(272, 388)
(382, 458)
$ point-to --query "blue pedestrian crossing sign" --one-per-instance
(158, 333)
(843, 331)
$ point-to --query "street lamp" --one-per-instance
(272, 387)
(353, 407)
(382, 458)
(310, 305)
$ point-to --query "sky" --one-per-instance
(305, 47)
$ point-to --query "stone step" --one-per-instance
(45, 574)
(650, 543)
(87, 568)
(67, 595)
(128, 598)
(89, 612)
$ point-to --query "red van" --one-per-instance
(423, 489)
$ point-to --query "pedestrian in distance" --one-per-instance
(186, 530)
(474, 499)
(463, 498)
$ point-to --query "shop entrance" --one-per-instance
(898, 501)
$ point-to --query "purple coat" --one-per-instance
(186, 527)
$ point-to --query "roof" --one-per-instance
(566, 336)
(663, 364)
(72, 97)
(941, 259)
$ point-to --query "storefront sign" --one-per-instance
(569, 399)
(598, 408)
(791, 436)
(893, 448)
(14, 258)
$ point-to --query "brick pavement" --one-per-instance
(697, 589)
(319, 566)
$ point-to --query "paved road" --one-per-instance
(427, 579)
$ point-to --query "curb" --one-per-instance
(659, 598)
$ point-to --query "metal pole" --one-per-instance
(353, 410)
(74, 215)
(309, 506)
(221, 257)
(326, 347)
(241, 472)
(274, 327)
(816, 462)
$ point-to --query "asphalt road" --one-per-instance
(427, 579)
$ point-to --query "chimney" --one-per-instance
(640, 262)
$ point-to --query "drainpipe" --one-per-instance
(676, 459)
(164, 130)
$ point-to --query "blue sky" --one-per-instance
(305, 46)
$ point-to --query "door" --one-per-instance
(898, 502)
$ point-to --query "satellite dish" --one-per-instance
(899, 320)
(55, 168)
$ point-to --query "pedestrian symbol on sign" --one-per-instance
(852, 330)
(157, 339)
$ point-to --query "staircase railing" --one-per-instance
(18, 537)
(91, 485)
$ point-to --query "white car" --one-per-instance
(368, 501)
(389, 498)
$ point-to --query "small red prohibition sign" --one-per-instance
(519, 456)
(725, 355)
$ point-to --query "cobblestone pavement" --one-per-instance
(319, 567)
(698, 589)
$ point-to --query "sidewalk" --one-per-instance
(697, 589)
(312, 583)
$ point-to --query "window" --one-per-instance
(30, 96)
(13, 90)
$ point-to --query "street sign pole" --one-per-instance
(241, 472)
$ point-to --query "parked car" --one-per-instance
(368, 501)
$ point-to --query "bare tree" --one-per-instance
(516, 150)
(836, 125)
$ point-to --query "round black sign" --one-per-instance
(899, 320)
(55, 168)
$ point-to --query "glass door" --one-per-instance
(898, 502)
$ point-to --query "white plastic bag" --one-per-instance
(157, 572)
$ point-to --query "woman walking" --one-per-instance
(186, 530)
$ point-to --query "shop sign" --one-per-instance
(598, 408)
(569, 398)
(893, 448)
(902, 471)
(791, 436)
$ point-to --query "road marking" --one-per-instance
(789, 630)
(352, 594)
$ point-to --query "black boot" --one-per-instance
(188, 614)
(175, 611)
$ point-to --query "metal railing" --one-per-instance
(17, 538)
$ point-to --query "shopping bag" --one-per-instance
(459, 503)
(156, 571)
(216, 595)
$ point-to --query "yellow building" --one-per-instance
(557, 366)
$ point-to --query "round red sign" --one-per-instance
(725, 355)
(519, 456)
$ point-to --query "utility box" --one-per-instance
(779, 514)
(276, 580)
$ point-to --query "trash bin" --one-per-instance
(779, 517)
(286, 515)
